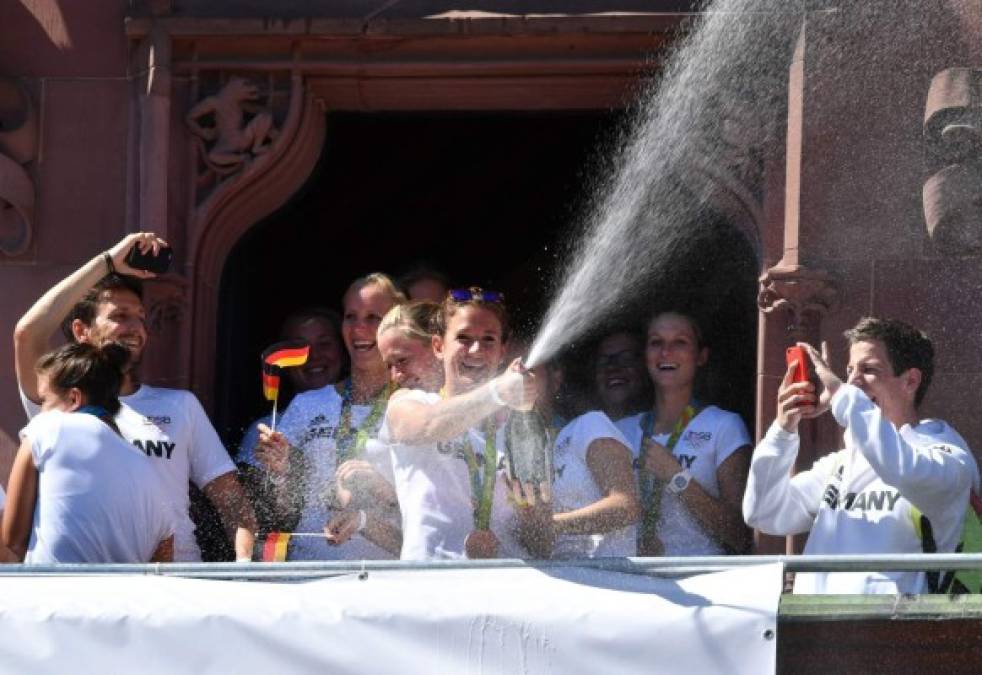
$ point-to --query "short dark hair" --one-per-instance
(95, 371)
(86, 308)
(906, 346)
(302, 316)
(422, 271)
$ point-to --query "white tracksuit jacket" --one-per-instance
(866, 498)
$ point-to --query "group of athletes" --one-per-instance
(395, 444)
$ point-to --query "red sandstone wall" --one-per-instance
(861, 216)
(73, 57)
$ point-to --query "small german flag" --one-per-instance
(287, 354)
(274, 547)
(275, 358)
(271, 384)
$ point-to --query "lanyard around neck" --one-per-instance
(352, 446)
(483, 482)
(646, 481)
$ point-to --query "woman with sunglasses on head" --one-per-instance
(594, 505)
(447, 448)
(79, 493)
(693, 458)
(324, 428)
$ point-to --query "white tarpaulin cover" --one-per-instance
(513, 621)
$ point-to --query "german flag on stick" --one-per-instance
(275, 358)
(273, 546)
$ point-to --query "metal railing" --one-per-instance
(663, 567)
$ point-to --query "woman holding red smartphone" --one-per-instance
(692, 458)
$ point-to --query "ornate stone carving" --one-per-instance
(953, 132)
(18, 147)
(166, 303)
(805, 295)
(232, 127)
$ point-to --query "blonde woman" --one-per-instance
(323, 429)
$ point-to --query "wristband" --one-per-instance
(362, 520)
(495, 396)
(243, 559)
(108, 259)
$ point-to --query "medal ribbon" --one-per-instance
(646, 480)
(353, 446)
(482, 482)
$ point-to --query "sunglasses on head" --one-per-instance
(476, 294)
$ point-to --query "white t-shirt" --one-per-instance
(99, 500)
(171, 427)
(574, 487)
(310, 423)
(709, 439)
(867, 498)
(434, 489)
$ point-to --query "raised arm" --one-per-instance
(41, 321)
(775, 502)
(415, 423)
(929, 475)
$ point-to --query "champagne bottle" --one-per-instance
(528, 448)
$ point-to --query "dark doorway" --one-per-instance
(391, 189)
(506, 189)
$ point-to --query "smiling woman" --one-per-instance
(300, 472)
(693, 458)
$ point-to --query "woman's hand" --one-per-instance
(273, 451)
(361, 486)
(516, 386)
(659, 462)
(343, 526)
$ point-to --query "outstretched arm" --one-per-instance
(35, 328)
(415, 423)
(233, 507)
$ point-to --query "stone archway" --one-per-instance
(262, 186)
(204, 188)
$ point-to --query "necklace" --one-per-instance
(352, 445)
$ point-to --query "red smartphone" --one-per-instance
(801, 370)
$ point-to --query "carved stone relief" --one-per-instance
(805, 295)
(18, 148)
(235, 126)
(953, 132)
